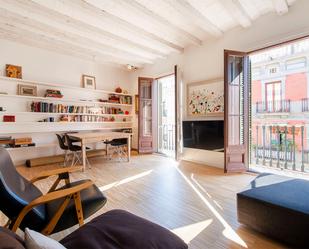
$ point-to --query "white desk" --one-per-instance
(92, 137)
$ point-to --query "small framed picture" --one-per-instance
(13, 71)
(136, 100)
(26, 90)
(88, 81)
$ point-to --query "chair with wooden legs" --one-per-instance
(64, 147)
(60, 208)
(119, 146)
(76, 151)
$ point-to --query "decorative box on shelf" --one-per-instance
(8, 118)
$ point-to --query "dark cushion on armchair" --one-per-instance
(10, 240)
(120, 229)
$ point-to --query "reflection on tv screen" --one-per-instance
(205, 135)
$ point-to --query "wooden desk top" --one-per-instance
(100, 135)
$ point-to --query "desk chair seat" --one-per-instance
(119, 146)
(26, 206)
(76, 150)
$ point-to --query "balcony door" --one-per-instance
(166, 115)
(236, 111)
(145, 135)
(273, 96)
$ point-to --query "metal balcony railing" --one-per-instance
(280, 146)
(305, 105)
(167, 143)
(277, 106)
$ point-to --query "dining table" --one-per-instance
(95, 137)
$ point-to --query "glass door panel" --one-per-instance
(236, 110)
(145, 138)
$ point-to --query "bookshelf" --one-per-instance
(84, 102)
(61, 86)
(83, 109)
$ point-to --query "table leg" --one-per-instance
(84, 155)
(129, 148)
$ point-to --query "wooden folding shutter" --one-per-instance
(236, 98)
(178, 112)
(145, 134)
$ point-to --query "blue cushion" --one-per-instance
(281, 191)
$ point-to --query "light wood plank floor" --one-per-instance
(195, 201)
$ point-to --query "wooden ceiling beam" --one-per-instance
(281, 6)
(98, 6)
(12, 36)
(189, 11)
(56, 42)
(160, 21)
(6, 35)
(63, 23)
(33, 26)
(236, 10)
(72, 10)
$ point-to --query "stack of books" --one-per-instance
(6, 141)
(53, 93)
(120, 99)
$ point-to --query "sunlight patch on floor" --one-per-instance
(228, 231)
(204, 190)
(189, 232)
(125, 180)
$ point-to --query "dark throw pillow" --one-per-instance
(120, 229)
(10, 240)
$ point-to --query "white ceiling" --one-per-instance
(134, 32)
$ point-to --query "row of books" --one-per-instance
(79, 118)
(60, 108)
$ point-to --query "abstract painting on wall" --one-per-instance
(205, 98)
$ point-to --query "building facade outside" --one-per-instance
(280, 106)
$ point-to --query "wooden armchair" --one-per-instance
(26, 206)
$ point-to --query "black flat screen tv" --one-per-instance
(205, 135)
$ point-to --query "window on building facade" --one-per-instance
(273, 96)
(296, 63)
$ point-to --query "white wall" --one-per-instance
(206, 61)
(42, 65)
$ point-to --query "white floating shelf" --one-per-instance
(64, 129)
(86, 102)
(58, 122)
(67, 113)
(61, 86)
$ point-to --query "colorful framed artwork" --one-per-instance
(13, 71)
(88, 81)
(205, 98)
(26, 90)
